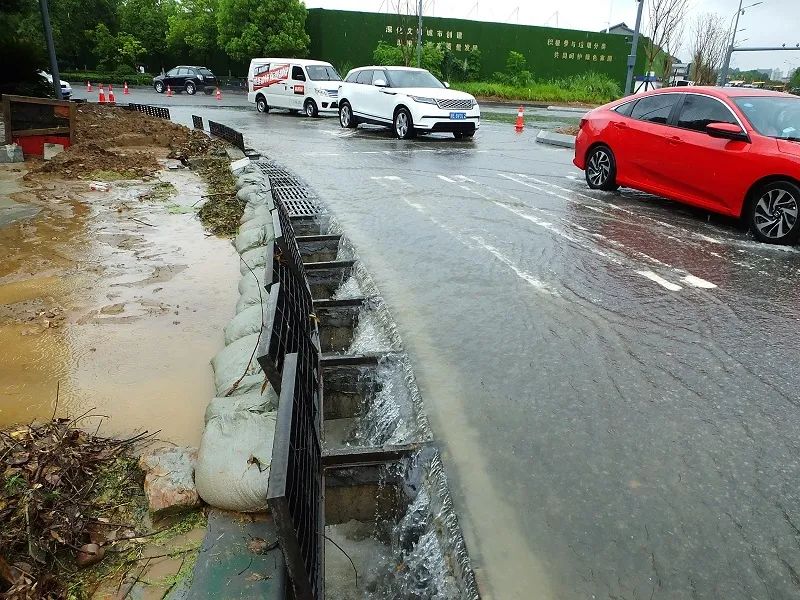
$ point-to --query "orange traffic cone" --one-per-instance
(219, 94)
(101, 98)
(111, 99)
(520, 125)
(169, 92)
(125, 89)
(88, 86)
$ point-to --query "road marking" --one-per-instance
(699, 283)
(447, 179)
(660, 281)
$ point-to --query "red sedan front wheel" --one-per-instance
(601, 169)
(775, 213)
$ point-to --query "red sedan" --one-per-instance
(734, 151)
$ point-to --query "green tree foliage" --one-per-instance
(249, 28)
(193, 30)
(516, 73)
(22, 56)
(794, 81)
(388, 54)
(148, 21)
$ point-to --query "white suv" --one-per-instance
(408, 100)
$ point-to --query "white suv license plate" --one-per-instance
(458, 116)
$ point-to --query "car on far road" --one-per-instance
(188, 79)
(733, 151)
(407, 100)
(66, 88)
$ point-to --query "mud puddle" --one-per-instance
(111, 301)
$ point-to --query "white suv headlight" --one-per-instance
(423, 99)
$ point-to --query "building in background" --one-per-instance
(620, 29)
(348, 39)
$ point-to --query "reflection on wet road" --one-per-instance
(613, 377)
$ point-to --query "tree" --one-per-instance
(148, 21)
(406, 30)
(664, 33)
(249, 28)
(193, 29)
(794, 80)
(708, 47)
(130, 49)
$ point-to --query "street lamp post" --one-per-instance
(634, 46)
(723, 74)
(51, 50)
(419, 34)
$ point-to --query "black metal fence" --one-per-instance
(295, 489)
(153, 111)
(197, 122)
(226, 133)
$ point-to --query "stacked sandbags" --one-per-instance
(232, 469)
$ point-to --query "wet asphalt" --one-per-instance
(612, 377)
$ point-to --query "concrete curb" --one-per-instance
(575, 109)
(556, 139)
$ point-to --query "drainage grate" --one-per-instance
(272, 170)
(153, 111)
(286, 187)
(295, 489)
(226, 133)
(286, 242)
(289, 326)
(197, 122)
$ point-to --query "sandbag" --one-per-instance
(255, 258)
(246, 322)
(250, 177)
(255, 212)
(251, 402)
(233, 361)
(232, 469)
(248, 385)
(251, 291)
(253, 237)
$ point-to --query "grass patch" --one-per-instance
(105, 175)
(512, 118)
(589, 88)
(222, 211)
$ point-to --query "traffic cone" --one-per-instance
(101, 98)
(520, 125)
(88, 86)
(169, 92)
(111, 99)
(125, 89)
(219, 94)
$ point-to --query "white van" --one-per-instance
(294, 84)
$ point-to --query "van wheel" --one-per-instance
(310, 108)
(261, 105)
(403, 125)
(346, 117)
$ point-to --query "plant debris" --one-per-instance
(65, 500)
(223, 210)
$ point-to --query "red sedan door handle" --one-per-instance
(674, 140)
(619, 125)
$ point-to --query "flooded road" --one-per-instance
(613, 378)
(113, 302)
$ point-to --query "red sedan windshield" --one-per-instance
(773, 117)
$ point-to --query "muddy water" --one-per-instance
(114, 303)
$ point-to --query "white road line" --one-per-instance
(699, 283)
(660, 281)
(447, 179)
(521, 273)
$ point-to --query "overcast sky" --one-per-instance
(771, 24)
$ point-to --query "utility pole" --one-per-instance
(51, 50)
(634, 47)
(723, 74)
(419, 34)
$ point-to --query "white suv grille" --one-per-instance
(454, 104)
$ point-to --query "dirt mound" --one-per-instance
(81, 160)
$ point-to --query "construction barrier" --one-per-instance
(197, 122)
(226, 133)
(154, 111)
(34, 122)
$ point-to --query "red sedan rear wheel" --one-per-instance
(601, 169)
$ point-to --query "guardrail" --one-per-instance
(154, 111)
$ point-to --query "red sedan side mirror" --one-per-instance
(727, 131)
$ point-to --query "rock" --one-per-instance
(11, 153)
(89, 554)
(169, 480)
(51, 150)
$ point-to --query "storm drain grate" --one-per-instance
(226, 133)
(154, 111)
(295, 489)
(286, 243)
(272, 170)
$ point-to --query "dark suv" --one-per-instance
(190, 79)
